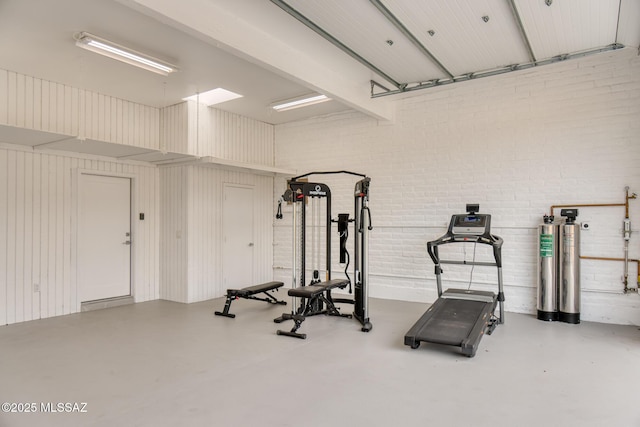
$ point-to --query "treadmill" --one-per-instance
(460, 317)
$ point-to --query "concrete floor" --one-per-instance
(168, 364)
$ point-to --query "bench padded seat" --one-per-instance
(311, 291)
(244, 292)
(249, 293)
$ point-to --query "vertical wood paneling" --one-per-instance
(174, 126)
(73, 124)
(60, 108)
(27, 248)
(203, 258)
(11, 238)
(154, 231)
(67, 165)
(4, 97)
(38, 104)
(58, 206)
(44, 236)
(145, 273)
(233, 137)
(44, 102)
(12, 109)
(52, 102)
(4, 240)
(173, 237)
(36, 250)
(38, 216)
(37, 237)
(28, 102)
(19, 241)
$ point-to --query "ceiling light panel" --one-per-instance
(463, 42)
(569, 25)
(361, 27)
(299, 102)
(122, 53)
(213, 96)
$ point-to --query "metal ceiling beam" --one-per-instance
(471, 76)
(306, 21)
(523, 33)
(400, 26)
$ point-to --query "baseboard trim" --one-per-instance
(106, 303)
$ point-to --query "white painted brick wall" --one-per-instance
(516, 144)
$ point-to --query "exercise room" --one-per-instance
(312, 213)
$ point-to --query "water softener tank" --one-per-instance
(569, 268)
(548, 270)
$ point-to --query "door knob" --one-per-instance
(251, 244)
(128, 242)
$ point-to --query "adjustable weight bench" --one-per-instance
(315, 296)
(249, 293)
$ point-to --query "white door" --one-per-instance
(104, 237)
(237, 224)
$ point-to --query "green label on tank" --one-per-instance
(546, 245)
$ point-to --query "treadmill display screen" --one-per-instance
(469, 224)
(471, 220)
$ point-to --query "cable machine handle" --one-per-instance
(279, 213)
(370, 227)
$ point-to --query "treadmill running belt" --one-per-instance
(452, 322)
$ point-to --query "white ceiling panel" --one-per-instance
(567, 26)
(361, 27)
(462, 41)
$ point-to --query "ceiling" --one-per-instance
(354, 51)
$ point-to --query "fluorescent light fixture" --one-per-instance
(305, 101)
(124, 54)
(213, 96)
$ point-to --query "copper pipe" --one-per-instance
(601, 258)
(599, 205)
(626, 283)
(626, 243)
(626, 204)
(595, 205)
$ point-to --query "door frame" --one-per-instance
(226, 185)
(76, 183)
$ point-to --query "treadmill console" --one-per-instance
(470, 224)
(470, 227)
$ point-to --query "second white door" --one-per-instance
(238, 236)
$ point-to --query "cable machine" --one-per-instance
(315, 294)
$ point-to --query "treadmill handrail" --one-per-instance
(487, 239)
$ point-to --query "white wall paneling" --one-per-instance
(37, 215)
(37, 227)
(174, 135)
(192, 210)
(516, 144)
(32, 103)
(173, 233)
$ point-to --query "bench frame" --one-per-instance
(313, 296)
(249, 293)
